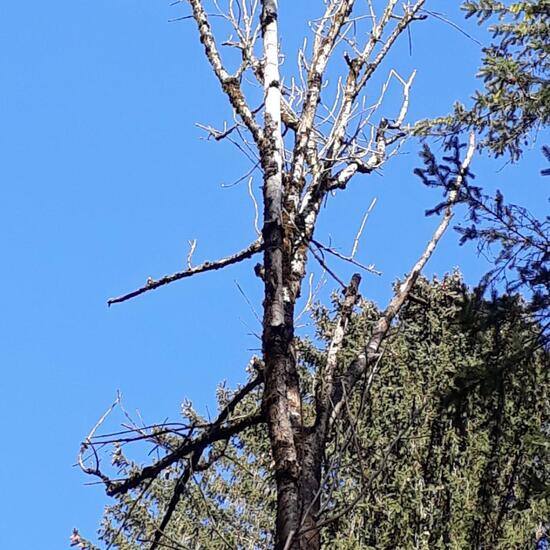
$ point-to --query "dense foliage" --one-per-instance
(445, 446)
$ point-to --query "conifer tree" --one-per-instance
(513, 104)
(445, 447)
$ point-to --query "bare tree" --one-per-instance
(308, 139)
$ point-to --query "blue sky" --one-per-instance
(105, 179)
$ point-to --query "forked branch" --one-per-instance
(230, 84)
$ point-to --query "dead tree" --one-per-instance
(310, 141)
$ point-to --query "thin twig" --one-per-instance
(361, 228)
(330, 250)
(243, 294)
(217, 431)
(192, 246)
(87, 443)
(323, 264)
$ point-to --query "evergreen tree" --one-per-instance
(445, 447)
(508, 112)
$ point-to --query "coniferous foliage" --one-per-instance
(445, 447)
(444, 175)
(513, 105)
(516, 241)
(515, 100)
(515, 73)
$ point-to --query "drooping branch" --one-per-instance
(373, 475)
(152, 284)
(219, 430)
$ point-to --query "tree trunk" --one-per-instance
(310, 481)
(281, 397)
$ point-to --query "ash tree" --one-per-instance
(308, 141)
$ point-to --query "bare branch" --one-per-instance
(152, 284)
(217, 431)
(323, 264)
(87, 444)
(192, 246)
(230, 84)
(309, 301)
(371, 353)
(176, 496)
(200, 443)
(350, 259)
(382, 140)
(326, 380)
(404, 289)
(361, 228)
(336, 14)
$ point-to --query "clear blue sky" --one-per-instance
(104, 180)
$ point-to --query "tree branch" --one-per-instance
(230, 84)
(326, 382)
(215, 433)
(371, 353)
(152, 284)
(322, 48)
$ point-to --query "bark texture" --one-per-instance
(282, 396)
